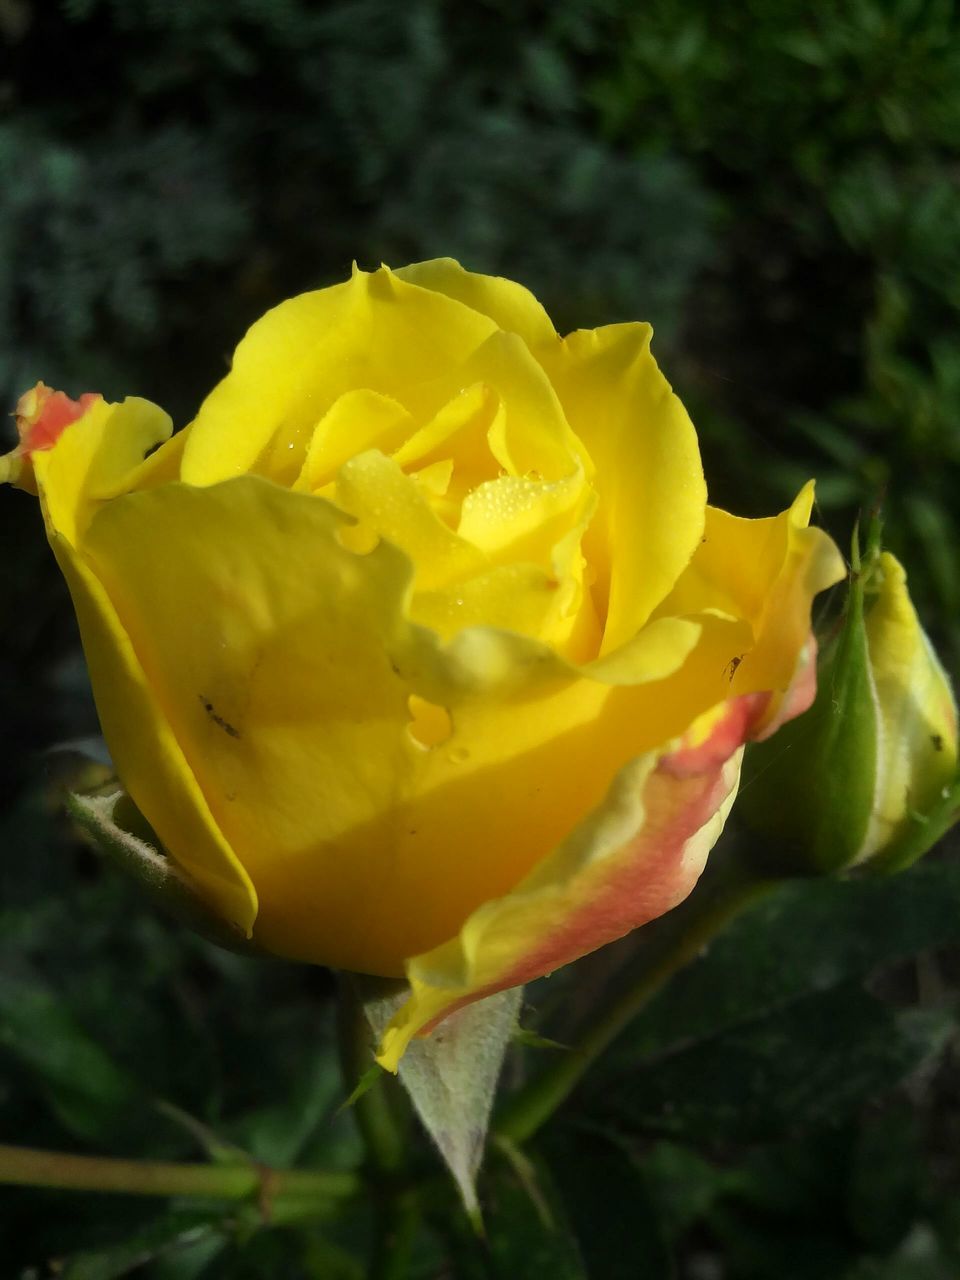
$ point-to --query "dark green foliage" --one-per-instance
(233, 153)
(824, 334)
(776, 1107)
(774, 184)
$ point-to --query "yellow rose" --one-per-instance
(420, 648)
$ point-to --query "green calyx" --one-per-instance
(117, 829)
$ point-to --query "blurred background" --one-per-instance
(774, 184)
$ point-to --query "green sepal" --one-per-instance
(118, 830)
(533, 1040)
(451, 1077)
(372, 1076)
(809, 790)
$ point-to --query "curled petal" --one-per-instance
(649, 479)
(513, 307)
(151, 759)
(916, 712)
(637, 856)
(375, 331)
(765, 573)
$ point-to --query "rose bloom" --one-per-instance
(420, 648)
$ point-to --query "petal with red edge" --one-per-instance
(634, 858)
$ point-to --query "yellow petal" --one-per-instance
(510, 305)
(516, 597)
(766, 573)
(149, 758)
(917, 712)
(529, 433)
(357, 421)
(648, 474)
(513, 518)
(271, 628)
(636, 856)
(459, 429)
(534, 437)
(374, 490)
(375, 332)
(97, 456)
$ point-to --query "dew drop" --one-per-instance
(458, 755)
(430, 724)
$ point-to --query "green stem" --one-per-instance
(687, 931)
(397, 1228)
(376, 1109)
(26, 1166)
(382, 1117)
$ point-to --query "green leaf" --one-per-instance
(527, 1231)
(804, 937)
(820, 1058)
(684, 1187)
(90, 1094)
(278, 1131)
(886, 1176)
(526, 1238)
(609, 1205)
(188, 1242)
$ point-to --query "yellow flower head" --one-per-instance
(420, 648)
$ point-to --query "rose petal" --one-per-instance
(150, 759)
(100, 454)
(918, 715)
(648, 474)
(357, 421)
(635, 857)
(271, 628)
(510, 305)
(376, 332)
(766, 572)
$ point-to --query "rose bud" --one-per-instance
(419, 648)
(866, 774)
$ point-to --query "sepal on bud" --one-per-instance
(118, 830)
(867, 774)
(451, 1077)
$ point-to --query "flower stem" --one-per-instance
(687, 930)
(397, 1228)
(27, 1166)
(383, 1120)
(377, 1109)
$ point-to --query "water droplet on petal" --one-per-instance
(430, 724)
